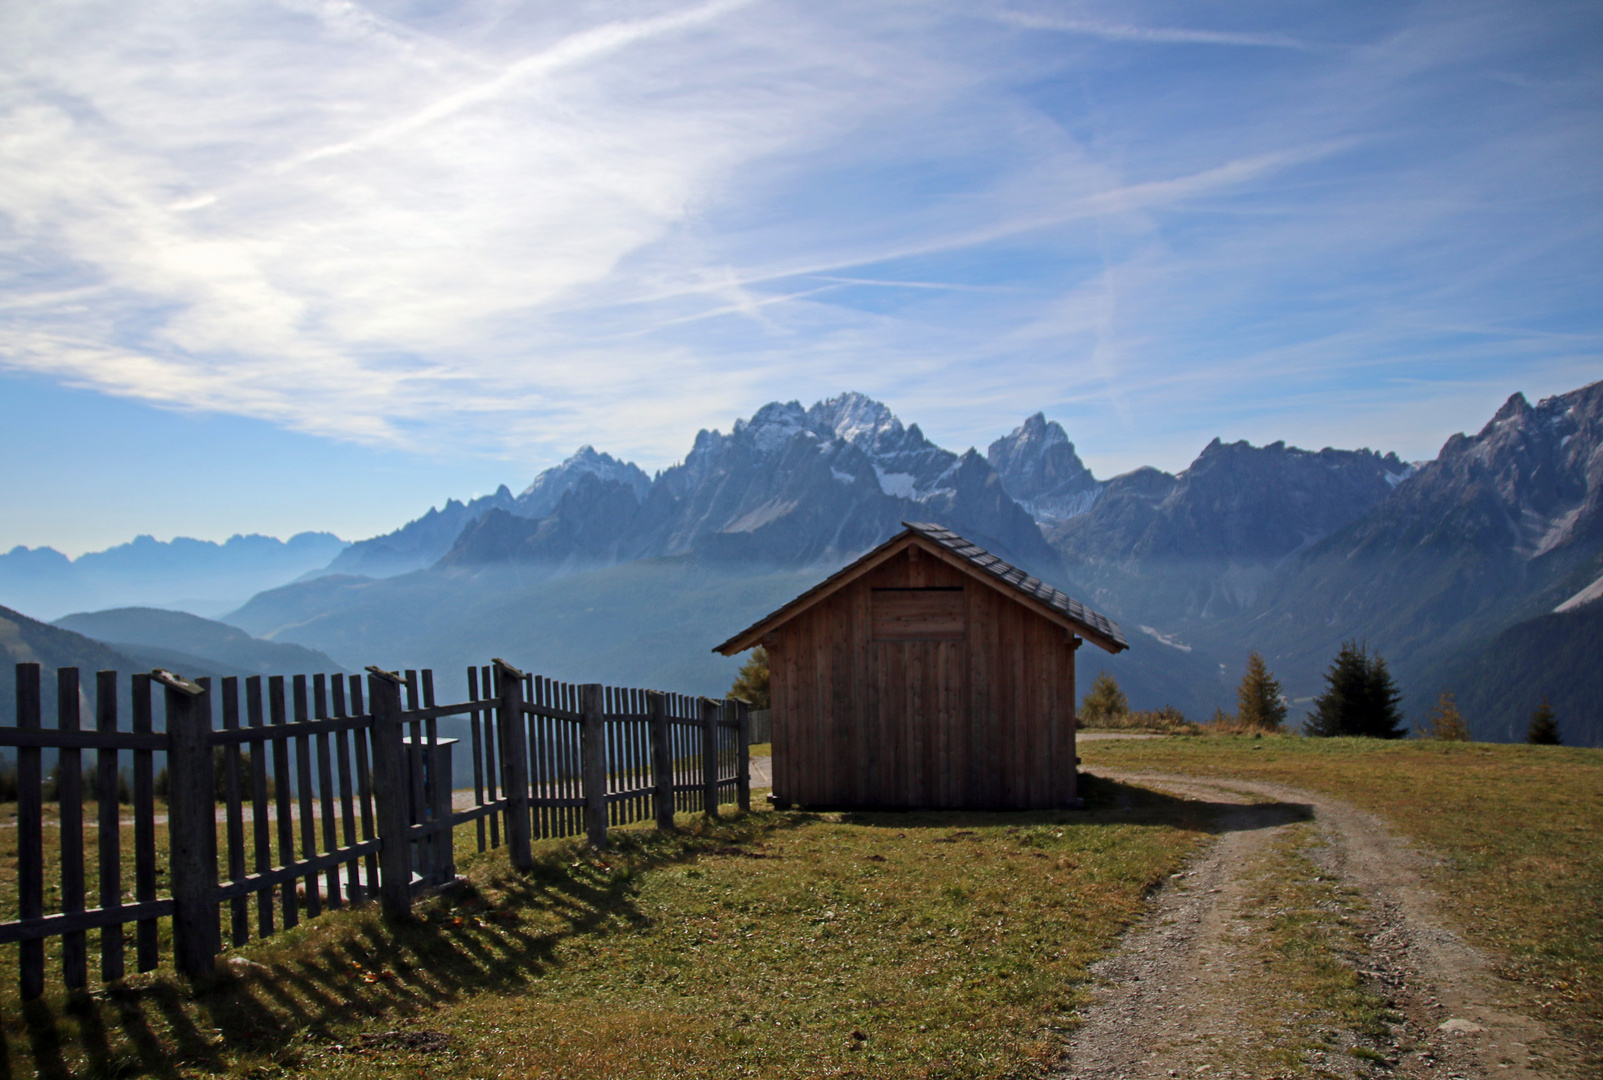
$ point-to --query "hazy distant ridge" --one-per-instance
(197, 575)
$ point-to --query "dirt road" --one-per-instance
(1201, 988)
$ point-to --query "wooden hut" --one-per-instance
(928, 673)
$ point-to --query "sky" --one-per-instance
(314, 264)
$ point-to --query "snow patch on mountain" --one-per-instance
(897, 485)
(1395, 478)
(1589, 595)
(1166, 639)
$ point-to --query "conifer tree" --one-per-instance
(1445, 721)
(1383, 715)
(1259, 703)
(1360, 697)
(1544, 726)
(751, 681)
(1103, 702)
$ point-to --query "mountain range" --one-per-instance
(192, 575)
(139, 639)
(1455, 569)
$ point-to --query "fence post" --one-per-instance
(593, 761)
(709, 755)
(514, 739)
(661, 758)
(743, 777)
(191, 825)
(390, 794)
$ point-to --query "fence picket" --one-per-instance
(261, 828)
(30, 833)
(342, 743)
(478, 750)
(709, 756)
(439, 860)
(364, 781)
(69, 804)
(240, 921)
(303, 784)
(325, 786)
(593, 747)
(531, 725)
(743, 757)
(286, 819)
(109, 839)
(145, 937)
(492, 774)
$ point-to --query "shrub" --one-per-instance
(1165, 721)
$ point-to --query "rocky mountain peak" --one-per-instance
(1235, 502)
(856, 418)
(541, 497)
(1515, 408)
(1039, 468)
(1530, 480)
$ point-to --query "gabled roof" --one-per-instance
(968, 557)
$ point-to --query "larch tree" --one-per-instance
(1445, 721)
(1259, 702)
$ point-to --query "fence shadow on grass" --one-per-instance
(266, 1005)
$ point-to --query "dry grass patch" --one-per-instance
(1518, 827)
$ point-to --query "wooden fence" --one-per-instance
(365, 781)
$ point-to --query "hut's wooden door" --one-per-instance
(918, 696)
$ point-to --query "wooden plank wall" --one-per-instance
(984, 722)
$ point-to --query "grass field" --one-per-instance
(769, 944)
(800, 945)
(1520, 829)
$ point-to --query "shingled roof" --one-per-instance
(1093, 625)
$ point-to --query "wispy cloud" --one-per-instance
(1154, 35)
(587, 46)
(509, 230)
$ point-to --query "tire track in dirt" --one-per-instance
(1174, 996)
